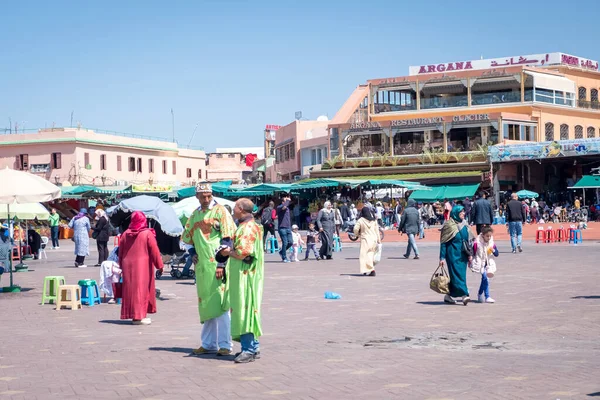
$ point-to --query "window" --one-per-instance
(578, 132)
(512, 132)
(219, 155)
(22, 161)
(594, 95)
(549, 128)
(131, 164)
(292, 150)
(199, 174)
(86, 159)
(164, 165)
(231, 155)
(278, 155)
(188, 172)
(564, 132)
(591, 132)
(174, 167)
(119, 163)
(56, 161)
(151, 165)
(103, 162)
(139, 164)
(286, 153)
(334, 139)
(582, 93)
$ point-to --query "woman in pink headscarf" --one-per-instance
(138, 256)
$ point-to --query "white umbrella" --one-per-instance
(22, 187)
(25, 211)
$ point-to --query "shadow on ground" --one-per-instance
(188, 353)
(586, 297)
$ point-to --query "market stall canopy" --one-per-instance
(587, 182)
(161, 215)
(450, 192)
(218, 188)
(25, 211)
(76, 192)
(186, 207)
(112, 189)
(527, 194)
(23, 187)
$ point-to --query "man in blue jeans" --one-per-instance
(285, 227)
(409, 224)
(515, 219)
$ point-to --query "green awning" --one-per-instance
(112, 189)
(450, 192)
(261, 168)
(72, 192)
(219, 188)
(587, 182)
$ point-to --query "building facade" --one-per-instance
(290, 140)
(437, 124)
(81, 157)
(227, 167)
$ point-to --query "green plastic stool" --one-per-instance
(90, 294)
(50, 291)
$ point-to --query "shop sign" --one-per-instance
(417, 121)
(361, 126)
(528, 60)
(272, 127)
(533, 151)
(39, 168)
(470, 118)
(151, 188)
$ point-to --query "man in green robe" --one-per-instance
(245, 278)
(209, 228)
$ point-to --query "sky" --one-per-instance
(231, 67)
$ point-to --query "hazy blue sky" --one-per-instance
(234, 66)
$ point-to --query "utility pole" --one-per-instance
(72, 118)
(173, 124)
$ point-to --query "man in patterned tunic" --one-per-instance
(209, 227)
(246, 281)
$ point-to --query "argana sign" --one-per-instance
(529, 60)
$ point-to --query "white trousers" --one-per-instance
(216, 333)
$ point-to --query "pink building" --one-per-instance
(227, 167)
(293, 148)
(81, 156)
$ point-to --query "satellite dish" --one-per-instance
(323, 118)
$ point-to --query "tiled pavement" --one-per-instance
(389, 337)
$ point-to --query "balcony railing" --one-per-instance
(383, 108)
(442, 102)
(365, 151)
(594, 105)
(478, 99)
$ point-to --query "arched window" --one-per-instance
(591, 132)
(549, 131)
(594, 95)
(564, 132)
(578, 132)
(582, 93)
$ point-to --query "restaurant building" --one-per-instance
(440, 123)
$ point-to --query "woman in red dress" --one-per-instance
(138, 256)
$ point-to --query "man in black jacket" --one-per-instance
(409, 224)
(345, 213)
(481, 212)
(515, 218)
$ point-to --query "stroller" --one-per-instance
(177, 264)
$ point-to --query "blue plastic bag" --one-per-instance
(332, 295)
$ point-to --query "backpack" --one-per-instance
(266, 217)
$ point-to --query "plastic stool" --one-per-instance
(575, 236)
(540, 235)
(16, 253)
(69, 296)
(116, 240)
(50, 289)
(561, 235)
(337, 244)
(550, 236)
(272, 245)
(90, 294)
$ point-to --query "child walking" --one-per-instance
(311, 241)
(296, 242)
(484, 251)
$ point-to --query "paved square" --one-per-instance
(389, 337)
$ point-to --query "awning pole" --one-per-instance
(583, 205)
